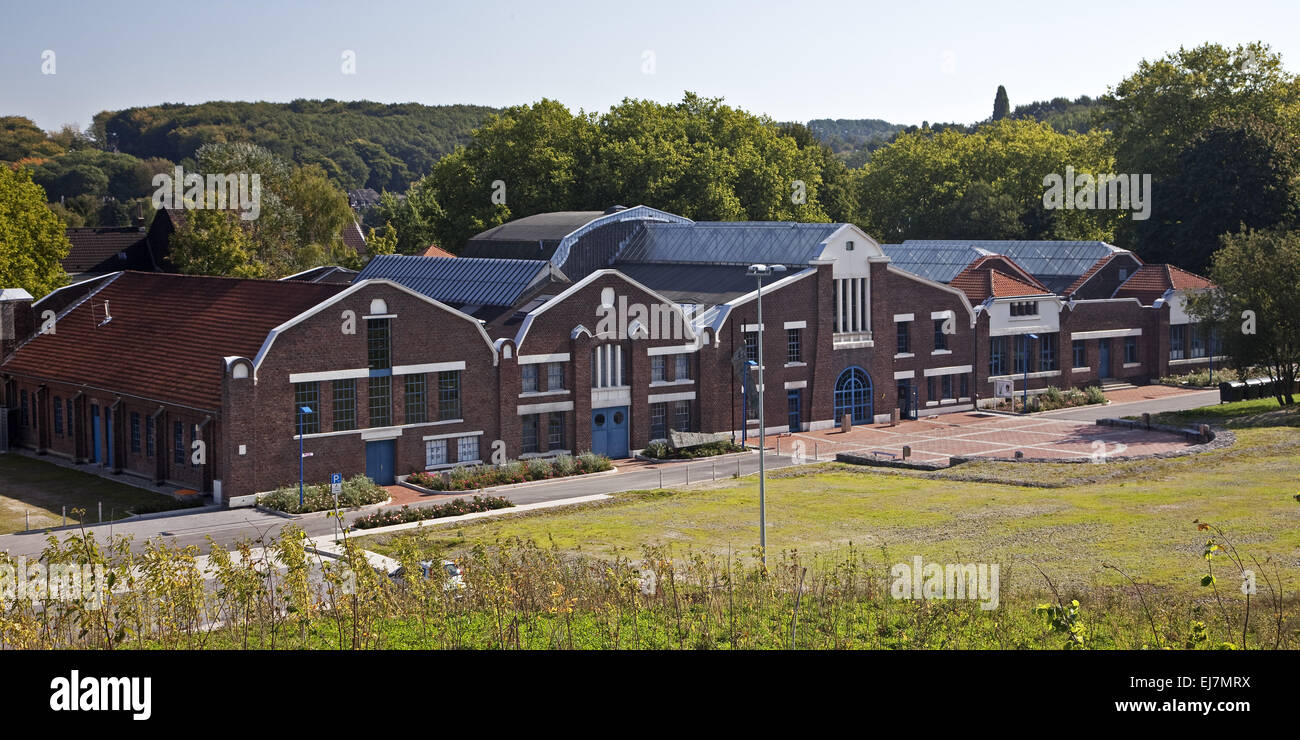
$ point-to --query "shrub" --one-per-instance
(539, 469)
(1094, 394)
(469, 478)
(424, 480)
(451, 508)
(593, 463)
(566, 465)
(357, 491)
(721, 447)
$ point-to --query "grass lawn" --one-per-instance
(1257, 412)
(42, 489)
(1135, 515)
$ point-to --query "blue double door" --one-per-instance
(609, 432)
(381, 461)
(101, 437)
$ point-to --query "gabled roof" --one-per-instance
(736, 243)
(463, 281)
(435, 251)
(353, 237)
(167, 335)
(324, 274)
(1055, 264)
(105, 250)
(1150, 282)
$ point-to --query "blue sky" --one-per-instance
(901, 61)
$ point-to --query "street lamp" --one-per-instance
(302, 418)
(759, 272)
(1024, 401)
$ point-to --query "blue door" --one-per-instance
(108, 437)
(381, 459)
(853, 396)
(1104, 370)
(96, 434)
(794, 404)
(609, 432)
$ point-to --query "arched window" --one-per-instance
(853, 396)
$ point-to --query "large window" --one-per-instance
(135, 432)
(528, 374)
(416, 397)
(555, 431)
(148, 436)
(945, 386)
(1024, 362)
(658, 421)
(1047, 350)
(378, 347)
(1177, 341)
(682, 367)
(25, 413)
(1080, 351)
(178, 443)
(528, 441)
(1024, 308)
(930, 395)
(449, 395)
(1130, 349)
(658, 369)
(1198, 340)
(608, 367)
(852, 305)
(751, 346)
(345, 405)
(794, 345)
(904, 329)
(555, 376)
(435, 452)
(853, 396)
(467, 449)
(965, 385)
(58, 416)
(997, 355)
(306, 394)
(940, 339)
(682, 416)
(381, 400)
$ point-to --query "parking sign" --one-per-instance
(336, 483)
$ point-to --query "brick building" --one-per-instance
(563, 333)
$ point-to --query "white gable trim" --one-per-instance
(573, 289)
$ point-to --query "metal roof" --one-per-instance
(462, 281)
(540, 227)
(702, 285)
(728, 242)
(1057, 264)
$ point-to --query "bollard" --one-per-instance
(65, 516)
(661, 478)
(688, 475)
(27, 520)
(101, 512)
(907, 451)
(815, 455)
(715, 470)
(737, 467)
(1146, 419)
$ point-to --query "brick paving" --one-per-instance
(976, 434)
(1148, 392)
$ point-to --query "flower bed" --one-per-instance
(452, 508)
(470, 478)
(659, 449)
(1054, 398)
(357, 491)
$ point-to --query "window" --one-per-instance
(555, 376)
(1023, 359)
(555, 431)
(1130, 349)
(345, 405)
(997, 355)
(24, 413)
(58, 416)
(940, 339)
(435, 452)
(794, 345)
(381, 400)
(135, 432)
(528, 374)
(608, 366)
(194, 435)
(658, 365)
(148, 436)
(1080, 353)
(965, 385)
(306, 394)
(945, 386)
(1194, 330)
(852, 305)
(378, 350)
(853, 396)
(904, 337)
(178, 443)
(529, 433)
(1177, 342)
(414, 392)
(658, 421)
(682, 416)
(449, 395)
(682, 367)
(751, 346)
(1216, 342)
(1024, 308)
(467, 449)
(929, 389)
(1047, 351)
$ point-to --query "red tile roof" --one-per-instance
(435, 251)
(1004, 285)
(167, 336)
(997, 276)
(1150, 282)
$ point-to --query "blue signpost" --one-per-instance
(302, 414)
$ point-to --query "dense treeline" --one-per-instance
(358, 144)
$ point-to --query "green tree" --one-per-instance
(214, 242)
(32, 239)
(1001, 104)
(20, 139)
(1252, 307)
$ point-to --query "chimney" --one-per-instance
(17, 320)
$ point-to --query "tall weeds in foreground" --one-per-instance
(517, 595)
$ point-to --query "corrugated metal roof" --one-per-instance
(702, 285)
(461, 281)
(937, 261)
(728, 242)
(1057, 264)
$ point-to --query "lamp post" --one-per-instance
(302, 416)
(759, 272)
(1024, 399)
